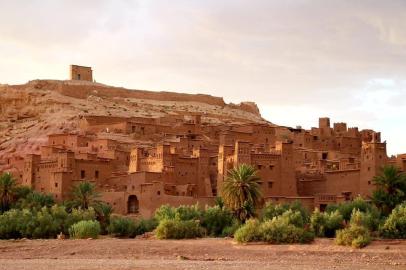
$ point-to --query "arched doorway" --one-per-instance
(132, 204)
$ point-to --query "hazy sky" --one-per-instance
(297, 60)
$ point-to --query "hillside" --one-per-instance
(29, 112)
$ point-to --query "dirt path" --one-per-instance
(111, 253)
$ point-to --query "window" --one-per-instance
(259, 166)
(56, 184)
(78, 76)
(96, 174)
(158, 192)
(270, 184)
(82, 174)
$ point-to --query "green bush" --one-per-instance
(216, 219)
(249, 232)
(326, 224)
(395, 225)
(183, 212)
(85, 229)
(121, 227)
(229, 231)
(164, 212)
(126, 227)
(179, 229)
(355, 236)
(78, 215)
(280, 231)
(145, 225)
(365, 219)
(272, 210)
(347, 208)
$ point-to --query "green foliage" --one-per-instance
(183, 212)
(216, 219)
(326, 224)
(126, 227)
(103, 213)
(84, 196)
(365, 219)
(230, 230)
(85, 229)
(164, 212)
(43, 223)
(35, 200)
(7, 186)
(121, 227)
(186, 212)
(280, 231)
(390, 189)
(249, 232)
(241, 191)
(347, 208)
(272, 210)
(285, 228)
(179, 229)
(78, 215)
(395, 224)
(145, 225)
(355, 236)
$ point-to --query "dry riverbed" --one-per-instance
(110, 253)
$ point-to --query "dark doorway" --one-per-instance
(132, 204)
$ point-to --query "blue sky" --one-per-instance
(297, 60)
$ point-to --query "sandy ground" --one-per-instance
(208, 253)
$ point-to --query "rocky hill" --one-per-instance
(29, 112)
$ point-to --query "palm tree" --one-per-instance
(84, 195)
(241, 191)
(390, 188)
(7, 186)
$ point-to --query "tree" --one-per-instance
(7, 186)
(84, 196)
(390, 188)
(241, 191)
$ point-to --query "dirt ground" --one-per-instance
(109, 253)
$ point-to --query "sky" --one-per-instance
(298, 60)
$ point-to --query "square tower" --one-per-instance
(81, 73)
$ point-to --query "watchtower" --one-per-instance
(81, 73)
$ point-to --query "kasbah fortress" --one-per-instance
(143, 149)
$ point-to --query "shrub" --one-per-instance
(165, 212)
(121, 227)
(215, 219)
(179, 229)
(126, 227)
(325, 224)
(347, 208)
(78, 215)
(183, 212)
(279, 230)
(85, 229)
(365, 219)
(229, 231)
(355, 236)
(395, 225)
(36, 200)
(145, 225)
(272, 210)
(248, 232)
